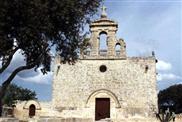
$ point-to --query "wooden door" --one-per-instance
(102, 108)
(32, 110)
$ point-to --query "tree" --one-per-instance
(34, 26)
(84, 45)
(172, 98)
(15, 92)
(166, 116)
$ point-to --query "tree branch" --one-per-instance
(13, 74)
(8, 61)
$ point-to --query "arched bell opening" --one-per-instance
(89, 48)
(103, 46)
(118, 49)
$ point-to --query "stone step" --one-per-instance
(9, 120)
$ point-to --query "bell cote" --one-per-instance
(114, 48)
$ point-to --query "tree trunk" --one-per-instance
(1, 107)
(2, 93)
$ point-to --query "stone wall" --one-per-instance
(9, 120)
(178, 118)
(90, 120)
(130, 84)
(64, 120)
(21, 111)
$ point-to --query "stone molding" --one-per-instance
(30, 102)
(106, 91)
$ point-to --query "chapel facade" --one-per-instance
(106, 83)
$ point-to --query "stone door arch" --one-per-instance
(108, 92)
(32, 107)
(30, 102)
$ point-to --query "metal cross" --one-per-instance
(103, 9)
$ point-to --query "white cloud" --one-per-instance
(40, 78)
(18, 60)
(163, 66)
(163, 85)
(180, 82)
(165, 76)
(168, 77)
(27, 75)
(36, 77)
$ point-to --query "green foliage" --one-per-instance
(36, 25)
(15, 92)
(171, 95)
(83, 46)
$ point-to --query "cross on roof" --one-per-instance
(104, 14)
(103, 9)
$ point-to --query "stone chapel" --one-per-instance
(104, 83)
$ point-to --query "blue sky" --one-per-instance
(146, 26)
(152, 25)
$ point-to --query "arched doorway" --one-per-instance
(32, 109)
(102, 108)
(105, 104)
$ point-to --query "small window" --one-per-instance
(118, 49)
(146, 68)
(103, 68)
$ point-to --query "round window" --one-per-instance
(103, 68)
